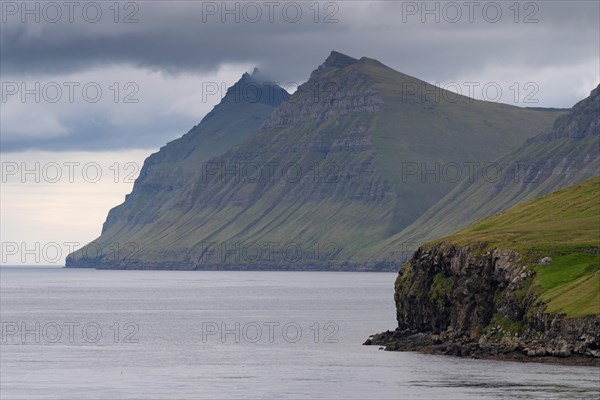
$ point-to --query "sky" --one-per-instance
(90, 89)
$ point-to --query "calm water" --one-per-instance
(296, 335)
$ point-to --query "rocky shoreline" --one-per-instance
(428, 343)
(468, 302)
(386, 267)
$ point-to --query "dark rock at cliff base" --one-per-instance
(428, 343)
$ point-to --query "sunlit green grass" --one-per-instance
(565, 226)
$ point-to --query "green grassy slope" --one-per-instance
(565, 226)
(569, 153)
(435, 130)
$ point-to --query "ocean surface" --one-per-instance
(87, 334)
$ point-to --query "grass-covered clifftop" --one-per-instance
(564, 226)
(525, 282)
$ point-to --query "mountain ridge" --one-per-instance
(207, 139)
(345, 133)
(565, 155)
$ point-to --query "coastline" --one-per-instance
(351, 267)
(427, 343)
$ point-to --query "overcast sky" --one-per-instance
(92, 78)
(165, 51)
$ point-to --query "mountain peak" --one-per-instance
(257, 76)
(339, 60)
(334, 61)
(255, 88)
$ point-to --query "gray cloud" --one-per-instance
(176, 38)
(102, 135)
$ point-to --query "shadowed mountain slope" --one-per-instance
(329, 174)
(569, 153)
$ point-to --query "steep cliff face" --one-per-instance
(582, 121)
(481, 304)
(166, 173)
(468, 295)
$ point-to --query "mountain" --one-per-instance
(166, 174)
(330, 172)
(565, 155)
(523, 283)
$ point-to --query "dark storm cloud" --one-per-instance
(183, 37)
(178, 36)
(170, 36)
